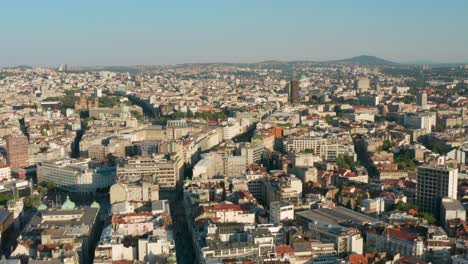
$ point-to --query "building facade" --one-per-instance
(17, 152)
(433, 184)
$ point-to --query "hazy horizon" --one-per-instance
(422, 62)
(120, 33)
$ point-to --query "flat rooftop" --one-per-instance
(336, 216)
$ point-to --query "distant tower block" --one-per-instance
(63, 68)
(421, 99)
(363, 85)
(98, 92)
(17, 152)
(293, 92)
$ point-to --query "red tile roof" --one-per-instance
(360, 258)
(408, 260)
(396, 233)
(284, 249)
(222, 207)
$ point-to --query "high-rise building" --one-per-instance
(362, 84)
(421, 99)
(433, 184)
(98, 92)
(293, 91)
(17, 152)
(63, 68)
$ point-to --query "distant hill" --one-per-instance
(365, 60)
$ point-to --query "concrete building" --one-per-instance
(227, 213)
(421, 99)
(451, 209)
(345, 239)
(217, 251)
(253, 153)
(76, 175)
(394, 241)
(325, 148)
(293, 92)
(362, 85)
(281, 211)
(165, 173)
(231, 130)
(151, 249)
(17, 152)
(336, 216)
(213, 164)
(98, 92)
(284, 189)
(368, 100)
(459, 154)
(234, 166)
(373, 206)
(314, 252)
(138, 192)
(360, 117)
(305, 159)
(420, 121)
(433, 184)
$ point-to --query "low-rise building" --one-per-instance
(451, 209)
(281, 211)
(394, 241)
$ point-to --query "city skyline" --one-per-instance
(119, 33)
(196, 132)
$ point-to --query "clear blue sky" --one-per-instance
(102, 32)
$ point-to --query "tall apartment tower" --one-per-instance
(433, 184)
(421, 99)
(362, 85)
(17, 152)
(293, 91)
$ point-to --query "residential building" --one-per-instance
(394, 241)
(433, 184)
(326, 148)
(293, 92)
(281, 211)
(373, 206)
(451, 209)
(421, 99)
(17, 152)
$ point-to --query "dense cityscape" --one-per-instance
(360, 160)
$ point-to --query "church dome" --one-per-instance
(68, 204)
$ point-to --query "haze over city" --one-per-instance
(90, 33)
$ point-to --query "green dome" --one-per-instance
(42, 207)
(172, 259)
(95, 205)
(68, 204)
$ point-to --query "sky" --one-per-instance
(114, 32)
